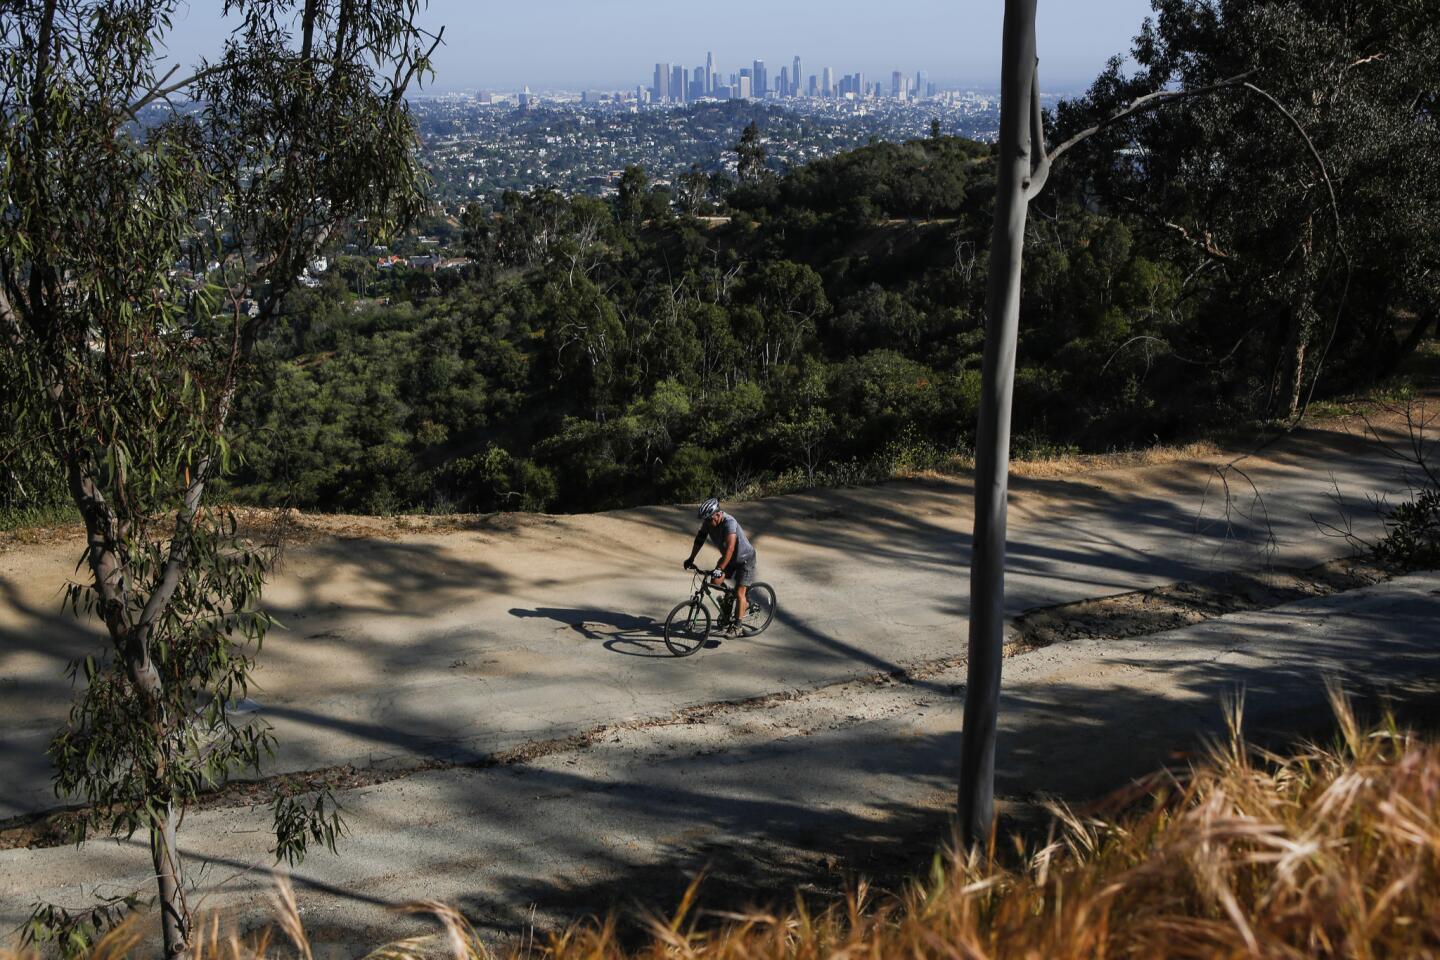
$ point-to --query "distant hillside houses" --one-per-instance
(429, 262)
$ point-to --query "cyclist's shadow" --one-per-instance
(621, 633)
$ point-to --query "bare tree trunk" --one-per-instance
(1018, 161)
(174, 911)
(1297, 374)
(1287, 381)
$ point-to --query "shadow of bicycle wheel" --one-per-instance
(636, 644)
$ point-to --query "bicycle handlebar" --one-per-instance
(705, 574)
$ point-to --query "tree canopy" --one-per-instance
(144, 251)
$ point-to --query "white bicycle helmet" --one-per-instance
(708, 509)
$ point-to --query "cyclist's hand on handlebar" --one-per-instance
(688, 565)
(717, 573)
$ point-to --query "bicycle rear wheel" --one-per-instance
(760, 609)
(687, 627)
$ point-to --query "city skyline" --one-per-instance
(553, 45)
(675, 83)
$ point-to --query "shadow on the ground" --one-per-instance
(622, 633)
(766, 819)
(1177, 528)
(581, 834)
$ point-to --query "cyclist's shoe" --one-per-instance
(733, 629)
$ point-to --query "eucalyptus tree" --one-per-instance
(154, 221)
(1308, 273)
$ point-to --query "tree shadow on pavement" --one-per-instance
(582, 832)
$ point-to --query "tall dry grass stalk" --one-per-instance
(1330, 851)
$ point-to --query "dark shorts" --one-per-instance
(742, 572)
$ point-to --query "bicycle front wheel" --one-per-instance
(760, 609)
(687, 627)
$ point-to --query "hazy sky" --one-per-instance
(616, 43)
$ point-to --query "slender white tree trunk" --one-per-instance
(1017, 161)
(174, 911)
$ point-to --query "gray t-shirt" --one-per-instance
(719, 533)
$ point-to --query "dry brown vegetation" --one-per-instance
(1325, 851)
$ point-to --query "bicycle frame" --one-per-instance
(705, 589)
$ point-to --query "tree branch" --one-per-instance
(307, 29)
(1205, 242)
(160, 92)
(1039, 169)
(400, 84)
(1314, 153)
(1145, 103)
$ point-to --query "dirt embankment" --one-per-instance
(1144, 612)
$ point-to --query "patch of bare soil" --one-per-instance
(291, 527)
(1182, 604)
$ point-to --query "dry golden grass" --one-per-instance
(1069, 464)
(1324, 852)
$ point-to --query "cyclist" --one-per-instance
(737, 556)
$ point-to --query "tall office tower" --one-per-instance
(745, 90)
(897, 84)
(661, 89)
(761, 86)
(828, 83)
(921, 82)
(698, 87)
(813, 90)
(783, 87)
(710, 72)
(677, 84)
(795, 77)
(860, 85)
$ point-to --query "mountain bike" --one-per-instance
(689, 624)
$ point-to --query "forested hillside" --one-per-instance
(597, 355)
(1215, 260)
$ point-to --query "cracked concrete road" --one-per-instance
(411, 647)
(857, 776)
